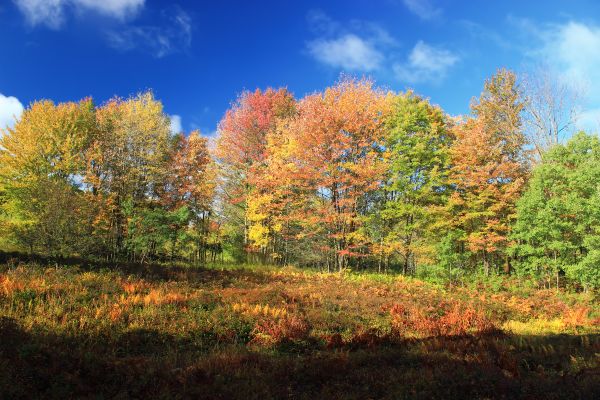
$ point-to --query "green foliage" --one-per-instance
(416, 146)
(153, 230)
(556, 229)
(41, 163)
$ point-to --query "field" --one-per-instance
(252, 332)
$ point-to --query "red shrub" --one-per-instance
(287, 328)
(448, 318)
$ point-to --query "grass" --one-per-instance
(253, 332)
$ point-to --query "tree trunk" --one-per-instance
(507, 267)
(486, 264)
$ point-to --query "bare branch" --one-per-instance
(552, 105)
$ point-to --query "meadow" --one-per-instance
(258, 332)
(347, 239)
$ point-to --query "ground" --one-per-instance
(251, 332)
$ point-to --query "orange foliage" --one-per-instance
(9, 286)
(191, 178)
(243, 135)
(488, 185)
(489, 167)
(577, 317)
(132, 287)
(332, 145)
(289, 328)
(447, 318)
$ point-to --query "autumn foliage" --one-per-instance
(351, 177)
(489, 169)
(105, 181)
(157, 332)
(136, 262)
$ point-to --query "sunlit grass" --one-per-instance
(185, 317)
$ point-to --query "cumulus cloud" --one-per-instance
(568, 49)
(569, 46)
(348, 52)
(175, 124)
(362, 46)
(172, 35)
(357, 46)
(425, 64)
(424, 9)
(10, 111)
(52, 13)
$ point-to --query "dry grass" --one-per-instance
(196, 330)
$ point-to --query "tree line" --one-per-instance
(355, 176)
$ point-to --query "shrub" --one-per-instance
(448, 318)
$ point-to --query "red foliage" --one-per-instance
(287, 328)
(190, 180)
(243, 129)
(448, 318)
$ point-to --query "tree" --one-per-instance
(551, 108)
(126, 161)
(240, 149)
(278, 202)
(336, 148)
(416, 186)
(489, 169)
(190, 183)
(556, 229)
(153, 231)
(42, 161)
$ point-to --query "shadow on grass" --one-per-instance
(152, 272)
(149, 364)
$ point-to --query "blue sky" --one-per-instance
(198, 55)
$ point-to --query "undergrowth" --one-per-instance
(266, 332)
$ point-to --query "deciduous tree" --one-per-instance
(240, 148)
(42, 161)
(489, 168)
(556, 230)
(127, 161)
(417, 146)
(338, 136)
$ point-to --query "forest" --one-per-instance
(355, 177)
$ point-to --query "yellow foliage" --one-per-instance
(259, 310)
(539, 326)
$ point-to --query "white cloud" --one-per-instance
(362, 46)
(424, 9)
(572, 48)
(589, 120)
(357, 46)
(174, 34)
(10, 111)
(348, 52)
(48, 12)
(425, 64)
(175, 124)
(113, 8)
(52, 12)
(569, 50)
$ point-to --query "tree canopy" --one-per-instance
(354, 176)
